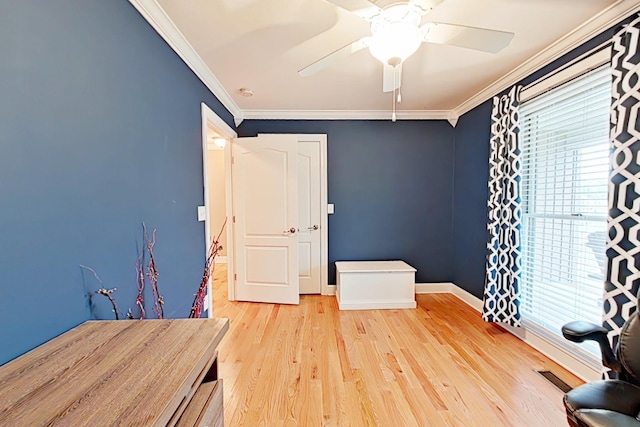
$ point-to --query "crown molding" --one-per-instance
(164, 26)
(345, 115)
(158, 19)
(600, 22)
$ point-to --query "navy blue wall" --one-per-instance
(100, 131)
(470, 191)
(471, 177)
(391, 184)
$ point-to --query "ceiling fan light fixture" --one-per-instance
(395, 40)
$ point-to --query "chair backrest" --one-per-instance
(628, 350)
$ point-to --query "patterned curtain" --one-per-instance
(623, 243)
(503, 268)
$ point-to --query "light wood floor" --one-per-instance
(437, 365)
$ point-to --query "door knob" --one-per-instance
(292, 230)
(315, 227)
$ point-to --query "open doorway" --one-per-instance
(310, 227)
(216, 150)
(216, 187)
(217, 212)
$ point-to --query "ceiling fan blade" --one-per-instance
(424, 6)
(343, 52)
(391, 77)
(469, 37)
(363, 8)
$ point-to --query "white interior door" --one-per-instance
(265, 205)
(309, 217)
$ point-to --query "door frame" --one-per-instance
(210, 120)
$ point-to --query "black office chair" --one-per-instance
(607, 402)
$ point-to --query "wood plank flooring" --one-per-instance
(437, 365)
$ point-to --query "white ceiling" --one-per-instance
(261, 45)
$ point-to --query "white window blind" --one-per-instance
(565, 164)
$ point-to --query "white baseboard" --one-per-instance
(467, 297)
(555, 353)
(434, 288)
(449, 288)
(329, 290)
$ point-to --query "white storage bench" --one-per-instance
(363, 285)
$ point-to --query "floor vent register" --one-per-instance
(553, 379)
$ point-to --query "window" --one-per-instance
(565, 166)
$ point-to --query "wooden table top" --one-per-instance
(123, 372)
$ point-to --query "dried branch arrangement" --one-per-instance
(105, 292)
(209, 266)
(153, 274)
(150, 272)
(140, 284)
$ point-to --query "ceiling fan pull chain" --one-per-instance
(395, 88)
(393, 115)
(396, 77)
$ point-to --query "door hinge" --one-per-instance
(234, 219)
(235, 276)
(233, 160)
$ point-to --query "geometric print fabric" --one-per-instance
(504, 261)
(623, 223)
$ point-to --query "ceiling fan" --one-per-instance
(397, 31)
